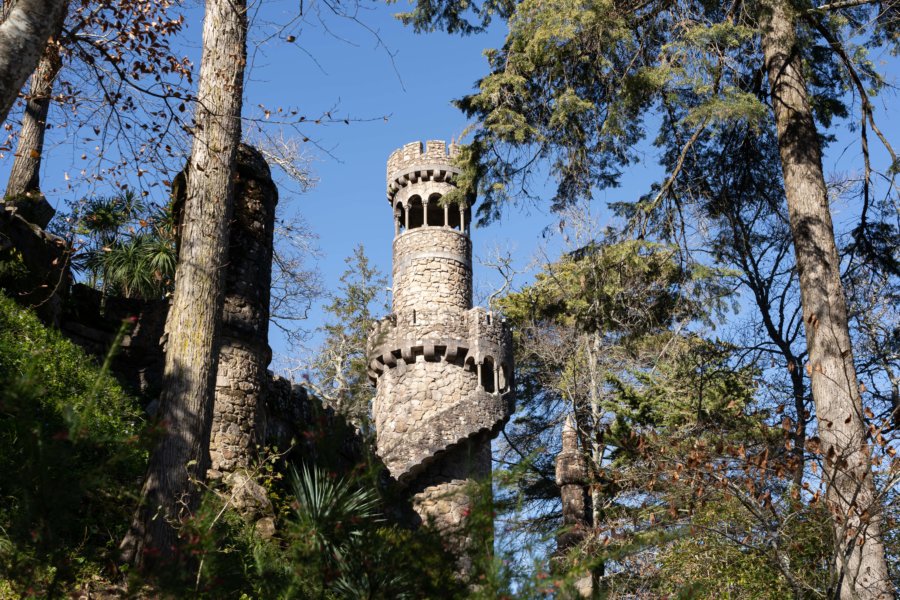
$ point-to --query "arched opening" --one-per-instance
(415, 215)
(435, 211)
(454, 218)
(399, 219)
(502, 382)
(487, 375)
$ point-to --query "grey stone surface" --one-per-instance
(572, 479)
(244, 354)
(94, 324)
(247, 496)
(442, 496)
(443, 370)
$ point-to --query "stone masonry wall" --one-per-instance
(434, 368)
(572, 479)
(436, 156)
(138, 361)
(443, 496)
(432, 270)
(244, 353)
(444, 407)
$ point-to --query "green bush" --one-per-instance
(69, 454)
(333, 543)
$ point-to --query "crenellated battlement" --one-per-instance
(413, 154)
(468, 339)
(412, 164)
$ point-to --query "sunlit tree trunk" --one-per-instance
(23, 35)
(851, 495)
(182, 456)
(24, 176)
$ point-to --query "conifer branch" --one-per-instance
(840, 5)
(866, 116)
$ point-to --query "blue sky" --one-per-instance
(412, 79)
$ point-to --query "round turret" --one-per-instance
(417, 181)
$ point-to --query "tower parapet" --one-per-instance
(412, 162)
(417, 180)
(443, 370)
(466, 366)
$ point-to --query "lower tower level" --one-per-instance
(443, 370)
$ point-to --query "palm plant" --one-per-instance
(332, 510)
(130, 249)
(341, 524)
(140, 266)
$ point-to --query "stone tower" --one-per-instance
(244, 352)
(443, 370)
(572, 479)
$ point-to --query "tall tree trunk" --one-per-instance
(25, 174)
(23, 188)
(851, 494)
(23, 36)
(182, 456)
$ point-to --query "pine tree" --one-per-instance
(578, 85)
(340, 367)
(669, 423)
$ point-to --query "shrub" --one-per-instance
(69, 455)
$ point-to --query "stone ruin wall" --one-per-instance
(244, 352)
(442, 370)
(139, 360)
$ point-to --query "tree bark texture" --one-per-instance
(24, 177)
(851, 495)
(181, 457)
(23, 37)
(5, 7)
